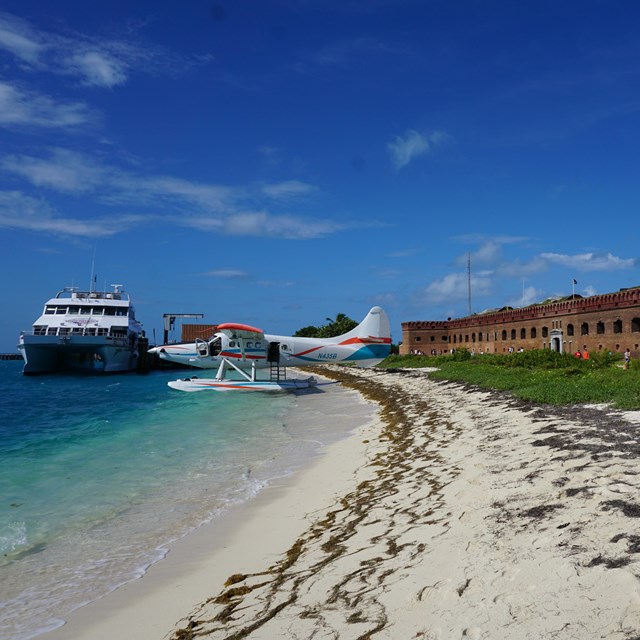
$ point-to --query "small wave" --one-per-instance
(13, 537)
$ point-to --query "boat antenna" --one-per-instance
(93, 277)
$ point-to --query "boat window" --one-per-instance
(284, 347)
(90, 332)
(40, 330)
(109, 311)
(121, 312)
(74, 311)
(48, 310)
(63, 331)
(102, 331)
(76, 331)
(85, 311)
(51, 331)
(61, 311)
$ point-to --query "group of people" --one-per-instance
(583, 355)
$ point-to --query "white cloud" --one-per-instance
(454, 287)
(530, 295)
(590, 261)
(288, 189)
(98, 68)
(406, 148)
(19, 211)
(65, 171)
(214, 208)
(20, 108)
(17, 37)
(92, 59)
(227, 273)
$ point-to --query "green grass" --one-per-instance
(538, 376)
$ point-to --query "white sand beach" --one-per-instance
(457, 514)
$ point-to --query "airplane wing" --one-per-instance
(235, 330)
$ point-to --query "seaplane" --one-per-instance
(239, 351)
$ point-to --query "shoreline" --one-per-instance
(460, 513)
(155, 602)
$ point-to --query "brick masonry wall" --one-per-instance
(606, 322)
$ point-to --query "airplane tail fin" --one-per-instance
(371, 339)
(375, 325)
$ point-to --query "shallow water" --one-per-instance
(99, 474)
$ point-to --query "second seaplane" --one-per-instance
(238, 351)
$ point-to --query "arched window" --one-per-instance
(617, 326)
(523, 334)
(534, 332)
(480, 337)
(513, 334)
(473, 337)
(635, 324)
(504, 334)
(584, 329)
(569, 329)
(600, 327)
(455, 338)
(545, 332)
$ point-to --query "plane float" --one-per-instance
(244, 349)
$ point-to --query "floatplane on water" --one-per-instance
(244, 350)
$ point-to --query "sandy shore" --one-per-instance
(458, 514)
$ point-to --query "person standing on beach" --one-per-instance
(627, 358)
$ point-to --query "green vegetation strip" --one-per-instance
(540, 376)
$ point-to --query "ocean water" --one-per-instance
(98, 475)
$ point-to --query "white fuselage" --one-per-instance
(365, 346)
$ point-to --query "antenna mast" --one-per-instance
(469, 279)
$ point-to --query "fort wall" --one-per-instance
(608, 322)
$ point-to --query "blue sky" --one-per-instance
(278, 162)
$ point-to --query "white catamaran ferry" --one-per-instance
(83, 331)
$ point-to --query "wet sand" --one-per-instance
(458, 514)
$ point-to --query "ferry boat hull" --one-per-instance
(49, 354)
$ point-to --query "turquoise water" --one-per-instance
(98, 475)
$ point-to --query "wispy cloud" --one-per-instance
(20, 108)
(92, 59)
(413, 144)
(238, 210)
(20, 211)
(227, 274)
(288, 189)
(590, 261)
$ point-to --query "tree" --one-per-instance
(341, 324)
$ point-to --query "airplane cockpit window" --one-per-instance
(201, 347)
(215, 347)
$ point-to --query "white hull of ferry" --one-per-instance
(49, 354)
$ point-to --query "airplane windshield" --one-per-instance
(215, 346)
